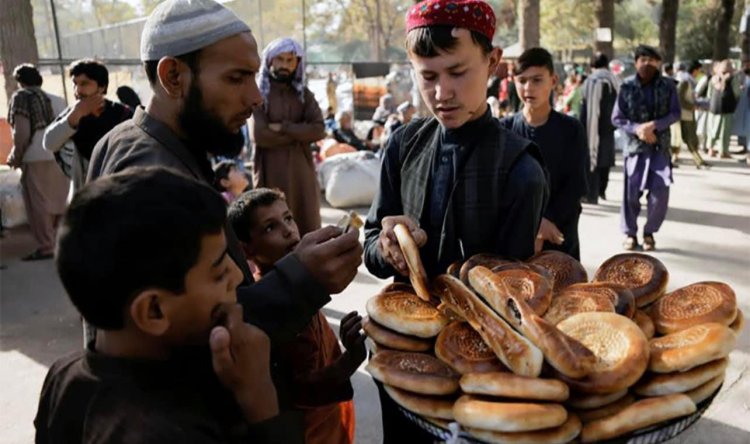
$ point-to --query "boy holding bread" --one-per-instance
(313, 377)
(460, 182)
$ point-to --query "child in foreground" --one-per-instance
(143, 257)
(315, 373)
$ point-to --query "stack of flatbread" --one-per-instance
(533, 352)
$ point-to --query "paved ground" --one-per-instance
(706, 236)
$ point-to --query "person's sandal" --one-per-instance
(630, 243)
(649, 244)
(37, 255)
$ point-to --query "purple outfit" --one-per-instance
(650, 170)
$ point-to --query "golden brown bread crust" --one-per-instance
(622, 298)
(508, 385)
(702, 392)
(620, 347)
(388, 338)
(658, 384)
(483, 259)
(638, 415)
(410, 250)
(739, 322)
(570, 303)
(605, 410)
(564, 433)
(461, 347)
(472, 411)
(432, 406)
(586, 402)
(565, 354)
(645, 323)
(694, 304)
(414, 372)
(685, 349)
(406, 313)
(513, 350)
(528, 285)
(565, 269)
(644, 275)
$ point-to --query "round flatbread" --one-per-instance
(685, 349)
(695, 304)
(415, 372)
(584, 401)
(508, 385)
(703, 392)
(410, 250)
(620, 347)
(657, 384)
(523, 282)
(462, 348)
(432, 406)
(471, 411)
(605, 410)
(565, 270)
(644, 275)
(406, 313)
(398, 287)
(483, 259)
(620, 296)
(564, 433)
(393, 340)
(640, 414)
(739, 322)
(645, 323)
(570, 303)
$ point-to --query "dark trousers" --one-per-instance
(396, 428)
(596, 184)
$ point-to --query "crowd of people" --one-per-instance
(200, 284)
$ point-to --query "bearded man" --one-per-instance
(646, 106)
(283, 129)
(201, 61)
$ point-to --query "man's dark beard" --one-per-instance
(281, 76)
(204, 131)
(647, 73)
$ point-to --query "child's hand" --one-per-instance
(240, 354)
(353, 338)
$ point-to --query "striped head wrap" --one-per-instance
(276, 47)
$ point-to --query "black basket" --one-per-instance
(651, 435)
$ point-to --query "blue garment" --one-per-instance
(741, 124)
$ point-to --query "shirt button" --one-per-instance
(444, 159)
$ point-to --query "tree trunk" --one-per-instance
(17, 41)
(605, 17)
(723, 25)
(528, 26)
(745, 36)
(668, 29)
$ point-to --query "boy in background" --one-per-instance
(143, 257)
(229, 180)
(315, 374)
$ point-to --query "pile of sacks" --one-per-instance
(533, 352)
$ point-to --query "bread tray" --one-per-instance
(651, 435)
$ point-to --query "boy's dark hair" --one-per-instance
(426, 41)
(221, 172)
(694, 64)
(600, 60)
(668, 67)
(191, 59)
(646, 51)
(27, 74)
(534, 57)
(93, 69)
(241, 214)
(138, 229)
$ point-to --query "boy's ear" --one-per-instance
(224, 183)
(495, 56)
(147, 314)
